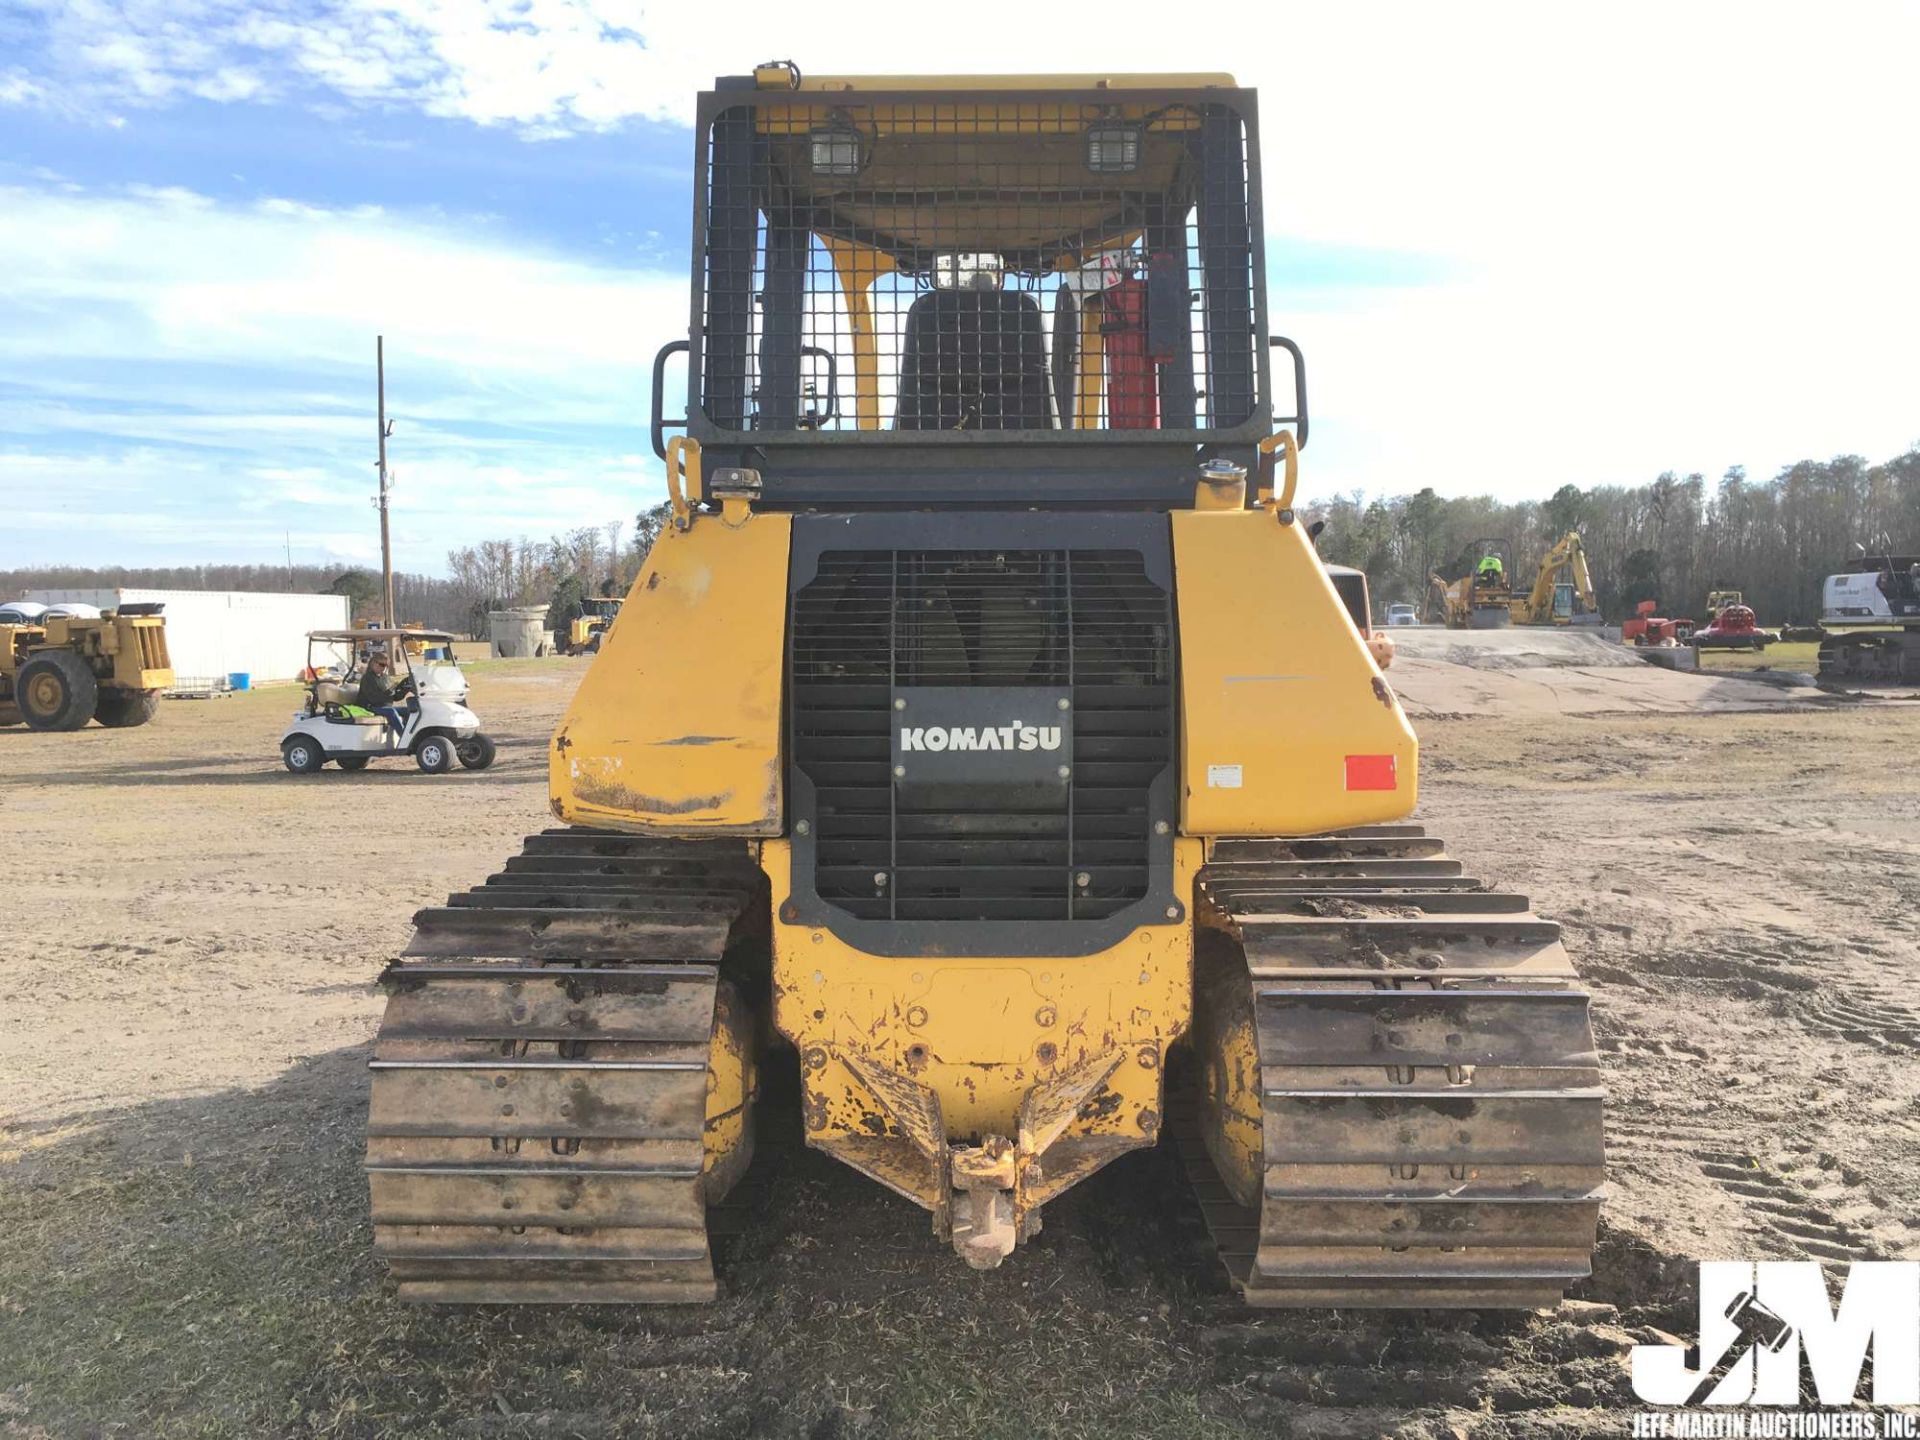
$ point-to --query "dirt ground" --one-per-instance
(185, 964)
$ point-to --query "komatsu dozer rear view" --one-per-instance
(985, 728)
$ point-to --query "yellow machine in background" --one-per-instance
(1557, 601)
(1483, 598)
(1486, 598)
(64, 671)
(985, 749)
(1718, 600)
(586, 630)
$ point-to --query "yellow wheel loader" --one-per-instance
(62, 671)
(586, 630)
(985, 728)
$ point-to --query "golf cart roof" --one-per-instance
(354, 636)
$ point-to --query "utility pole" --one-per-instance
(386, 483)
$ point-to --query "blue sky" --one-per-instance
(1522, 245)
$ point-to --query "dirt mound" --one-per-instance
(1523, 649)
(1546, 672)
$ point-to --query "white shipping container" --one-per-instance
(215, 633)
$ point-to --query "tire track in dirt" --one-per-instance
(1862, 1016)
(1786, 1209)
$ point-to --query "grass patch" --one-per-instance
(1800, 658)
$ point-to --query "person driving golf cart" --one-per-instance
(379, 692)
(374, 693)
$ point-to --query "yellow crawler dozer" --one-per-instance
(985, 728)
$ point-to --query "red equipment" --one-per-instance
(1647, 628)
(1734, 628)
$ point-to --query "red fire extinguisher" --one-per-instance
(1145, 323)
(1133, 392)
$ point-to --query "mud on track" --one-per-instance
(185, 972)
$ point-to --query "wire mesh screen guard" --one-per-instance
(1083, 630)
(943, 266)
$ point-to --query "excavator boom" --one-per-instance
(1554, 601)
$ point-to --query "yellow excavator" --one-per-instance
(1562, 591)
(1485, 598)
(984, 734)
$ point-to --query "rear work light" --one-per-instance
(1113, 148)
(837, 150)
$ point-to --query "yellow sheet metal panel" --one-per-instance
(980, 1033)
(676, 728)
(1287, 725)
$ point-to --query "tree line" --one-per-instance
(1669, 541)
(557, 572)
(560, 572)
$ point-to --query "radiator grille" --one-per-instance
(1091, 621)
(153, 647)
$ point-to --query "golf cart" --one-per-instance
(429, 701)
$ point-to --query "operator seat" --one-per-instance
(974, 360)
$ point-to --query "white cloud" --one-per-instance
(1668, 235)
(19, 88)
(197, 377)
(183, 276)
(546, 66)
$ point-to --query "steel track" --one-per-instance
(539, 1082)
(1430, 1090)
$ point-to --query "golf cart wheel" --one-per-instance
(476, 752)
(56, 691)
(434, 754)
(119, 709)
(303, 754)
(352, 762)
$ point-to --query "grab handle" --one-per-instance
(1282, 441)
(684, 485)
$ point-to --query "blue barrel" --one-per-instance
(240, 680)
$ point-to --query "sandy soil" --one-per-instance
(1517, 673)
(185, 963)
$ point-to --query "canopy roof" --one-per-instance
(1010, 180)
(358, 635)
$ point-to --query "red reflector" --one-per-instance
(1371, 772)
